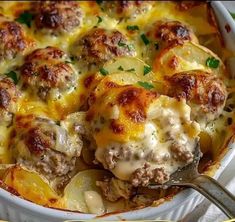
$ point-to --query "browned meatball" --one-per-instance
(167, 33)
(126, 9)
(39, 144)
(13, 40)
(204, 92)
(99, 46)
(8, 98)
(57, 16)
(48, 72)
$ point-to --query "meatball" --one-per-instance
(8, 98)
(167, 33)
(204, 92)
(13, 40)
(114, 189)
(126, 9)
(48, 72)
(41, 145)
(99, 46)
(57, 16)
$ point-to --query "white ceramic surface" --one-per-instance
(15, 209)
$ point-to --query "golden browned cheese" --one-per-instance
(118, 113)
(205, 93)
(47, 69)
(57, 17)
(13, 39)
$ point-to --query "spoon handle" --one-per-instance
(217, 194)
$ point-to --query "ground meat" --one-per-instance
(126, 9)
(114, 189)
(13, 40)
(47, 70)
(99, 46)
(144, 175)
(167, 33)
(8, 98)
(57, 17)
(43, 146)
(179, 153)
(204, 92)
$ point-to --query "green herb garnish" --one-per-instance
(104, 72)
(13, 76)
(99, 19)
(121, 44)
(212, 62)
(132, 27)
(25, 18)
(120, 68)
(232, 14)
(146, 85)
(130, 70)
(147, 69)
(156, 46)
(99, 1)
(145, 39)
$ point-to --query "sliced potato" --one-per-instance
(32, 187)
(189, 56)
(131, 65)
(84, 181)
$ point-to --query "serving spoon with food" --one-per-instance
(207, 186)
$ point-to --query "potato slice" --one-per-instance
(189, 56)
(84, 181)
(31, 187)
(131, 65)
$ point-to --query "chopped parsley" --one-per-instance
(99, 19)
(232, 14)
(212, 62)
(120, 68)
(130, 47)
(13, 76)
(156, 46)
(145, 39)
(99, 1)
(146, 85)
(147, 69)
(104, 72)
(130, 70)
(132, 27)
(121, 44)
(25, 18)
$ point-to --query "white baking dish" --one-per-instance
(15, 209)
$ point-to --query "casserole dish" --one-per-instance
(17, 209)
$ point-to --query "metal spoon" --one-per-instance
(207, 186)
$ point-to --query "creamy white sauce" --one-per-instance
(167, 124)
(94, 202)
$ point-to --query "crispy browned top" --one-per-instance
(47, 68)
(57, 16)
(13, 40)
(100, 45)
(198, 87)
